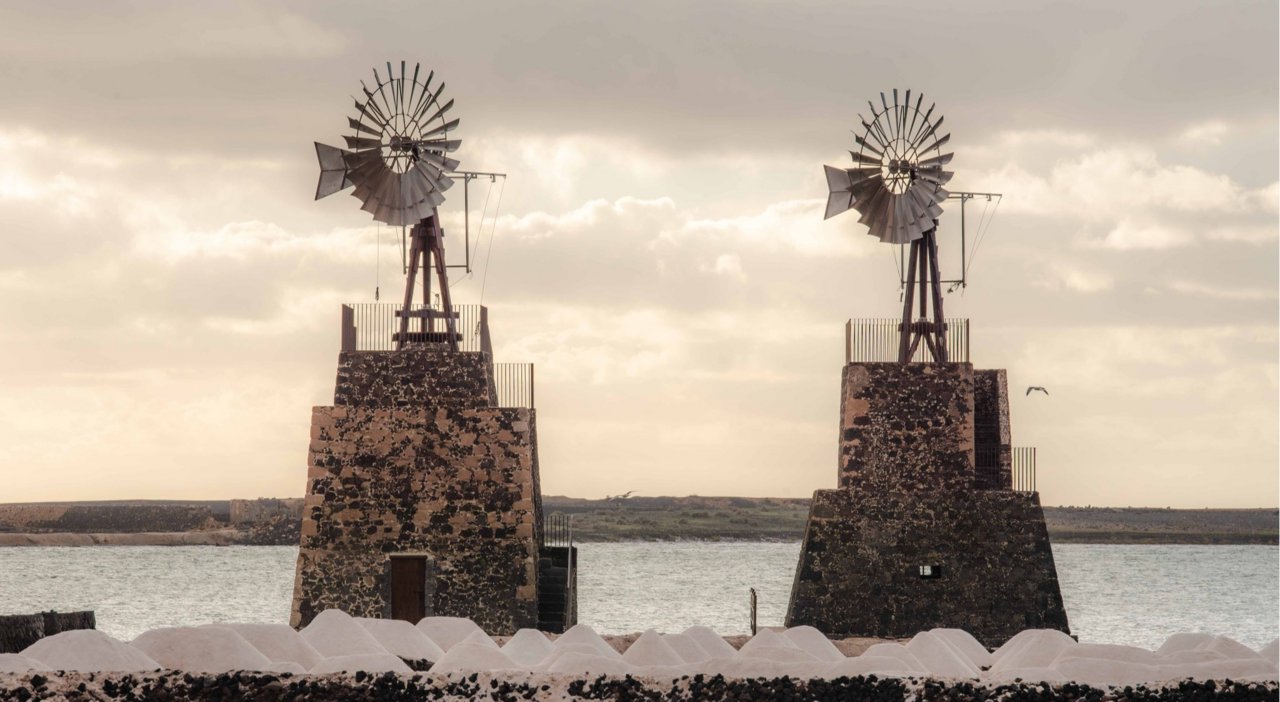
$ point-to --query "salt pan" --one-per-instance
(687, 647)
(278, 642)
(200, 649)
(528, 647)
(711, 642)
(402, 639)
(940, 658)
(814, 642)
(650, 650)
(447, 631)
(335, 633)
(470, 657)
(88, 650)
(18, 663)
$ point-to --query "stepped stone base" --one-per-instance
(859, 572)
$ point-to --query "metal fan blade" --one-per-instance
(360, 127)
(864, 158)
(447, 165)
(940, 196)
(873, 205)
(361, 143)
(426, 90)
(413, 87)
(440, 145)
(938, 144)
(371, 111)
(915, 114)
(355, 159)
(333, 171)
(935, 174)
(870, 130)
(429, 171)
(433, 98)
(940, 160)
(933, 128)
(863, 143)
(837, 179)
(438, 113)
(330, 157)
(366, 170)
(370, 184)
(442, 129)
(838, 202)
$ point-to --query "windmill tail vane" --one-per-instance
(896, 186)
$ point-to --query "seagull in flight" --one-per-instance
(1037, 387)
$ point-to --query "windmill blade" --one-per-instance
(360, 127)
(372, 183)
(871, 131)
(934, 174)
(361, 143)
(438, 113)
(333, 171)
(940, 160)
(865, 194)
(432, 99)
(370, 110)
(439, 145)
(445, 164)
(933, 128)
(938, 144)
(915, 114)
(442, 129)
(413, 87)
(864, 158)
(863, 143)
(431, 181)
(837, 179)
(838, 202)
(874, 205)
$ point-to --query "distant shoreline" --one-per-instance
(642, 519)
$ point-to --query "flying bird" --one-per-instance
(619, 498)
(1037, 387)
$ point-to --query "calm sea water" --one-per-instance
(1135, 595)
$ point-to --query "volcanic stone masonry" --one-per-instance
(415, 459)
(912, 539)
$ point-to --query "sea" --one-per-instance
(1136, 595)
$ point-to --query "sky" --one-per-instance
(170, 291)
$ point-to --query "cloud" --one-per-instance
(1128, 236)
(1062, 275)
(1223, 293)
(728, 265)
(1206, 133)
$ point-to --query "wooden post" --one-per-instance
(904, 342)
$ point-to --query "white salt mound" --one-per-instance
(1039, 650)
(1229, 647)
(1192, 656)
(968, 646)
(1271, 651)
(650, 650)
(767, 638)
(200, 649)
(940, 658)
(335, 633)
(1014, 643)
(583, 634)
(479, 638)
(711, 642)
(470, 657)
(814, 642)
(779, 654)
(1218, 670)
(584, 664)
(1109, 652)
(868, 665)
(561, 651)
(18, 663)
(1101, 671)
(447, 632)
(368, 662)
(898, 651)
(88, 651)
(286, 667)
(1182, 642)
(402, 639)
(528, 647)
(278, 642)
(687, 647)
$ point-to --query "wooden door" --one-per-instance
(409, 588)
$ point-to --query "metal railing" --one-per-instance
(877, 341)
(515, 384)
(373, 326)
(557, 530)
(987, 468)
(1024, 468)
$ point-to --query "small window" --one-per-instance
(930, 571)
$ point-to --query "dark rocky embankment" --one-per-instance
(175, 686)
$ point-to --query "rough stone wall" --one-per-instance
(421, 376)
(413, 459)
(992, 435)
(905, 427)
(859, 567)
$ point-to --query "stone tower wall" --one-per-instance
(413, 458)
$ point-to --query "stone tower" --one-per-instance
(422, 492)
(925, 529)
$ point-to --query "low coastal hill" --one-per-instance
(637, 518)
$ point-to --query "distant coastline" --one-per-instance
(694, 518)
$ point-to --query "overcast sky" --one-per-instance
(169, 289)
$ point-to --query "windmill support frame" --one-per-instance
(923, 279)
(426, 249)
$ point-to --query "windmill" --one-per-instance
(397, 161)
(896, 185)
